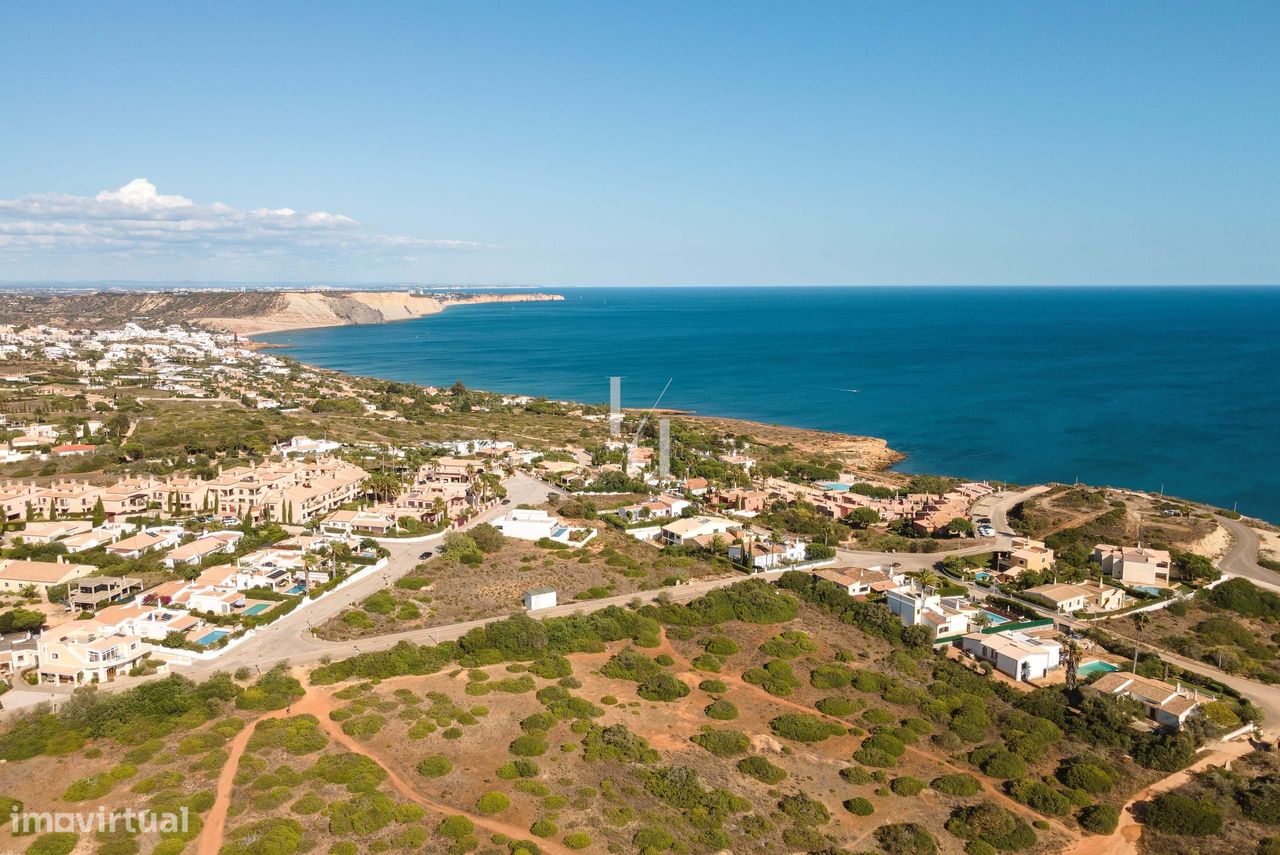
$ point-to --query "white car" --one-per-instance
(986, 531)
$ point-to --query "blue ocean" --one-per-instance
(1149, 388)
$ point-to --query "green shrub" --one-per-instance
(789, 645)
(1174, 813)
(577, 840)
(835, 706)
(653, 839)
(906, 838)
(720, 645)
(492, 802)
(54, 843)
(362, 814)
(993, 824)
(434, 766)
(855, 775)
(804, 810)
(776, 678)
(858, 806)
(455, 827)
(907, 786)
(1039, 796)
(706, 662)
(529, 745)
(722, 743)
(713, 687)
(1099, 819)
(1091, 774)
(803, 727)
(662, 687)
(761, 769)
(958, 784)
(877, 715)
(1003, 764)
(356, 772)
(543, 828)
(721, 710)
(830, 676)
(308, 804)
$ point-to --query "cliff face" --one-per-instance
(243, 312)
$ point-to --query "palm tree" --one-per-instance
(1071, 660)
(1141, 620)
(926, 578)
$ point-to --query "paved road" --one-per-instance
(1242, 558)
(291, 637)
(996, 507)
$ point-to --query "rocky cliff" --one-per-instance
(243, 312)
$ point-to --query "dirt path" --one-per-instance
(320, 704)
(215, 822)
(1124, 841)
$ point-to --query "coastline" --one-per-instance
(318, 309)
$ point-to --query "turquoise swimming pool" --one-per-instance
(1097, 666)
(994, 619)
(833, 485)
(212, 637)
(257, 608)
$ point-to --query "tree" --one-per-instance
(1071, 661)
(1191, 567)
(927, 578)
(1141, 620)
(960, 526)
(862, 517)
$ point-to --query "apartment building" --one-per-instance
(16, 574)
(1135, 565)
(87, 651)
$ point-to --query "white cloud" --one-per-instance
(137, 221)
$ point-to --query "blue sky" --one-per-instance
(646, 143)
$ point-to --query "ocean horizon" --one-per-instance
(1144, 387)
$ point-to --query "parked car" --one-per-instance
(506, 501)
(424, 556)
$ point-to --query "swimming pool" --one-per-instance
(257, 608)
(1097, 666)
(212, 637)
(994, 619)
(982, 576)
(833, 485)
(296, 589)
(1148, 589)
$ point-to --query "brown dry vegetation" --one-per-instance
(445, 591)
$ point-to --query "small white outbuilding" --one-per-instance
(539, 598)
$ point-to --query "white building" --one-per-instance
(539, 598)
(534, 524)
(1135, 565)
(767, 555)
(945, 616)
(307, 445)
(679, 532)
(1016, 654)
